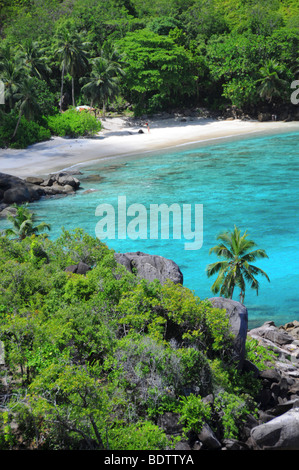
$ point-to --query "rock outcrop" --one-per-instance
(14, 190)
(80, 268)
(150, 267)
(238, 320)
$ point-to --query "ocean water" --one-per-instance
(250, 182)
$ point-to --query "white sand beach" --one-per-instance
(120, 138)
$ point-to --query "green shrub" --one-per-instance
(73, 123)
(233, 410)
(258, 354)
(28, 133)
(140, 436)
(194, 413)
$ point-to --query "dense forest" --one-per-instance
(137, 57)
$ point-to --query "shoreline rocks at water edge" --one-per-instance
(15, 190)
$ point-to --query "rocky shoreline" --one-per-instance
(276, 426)
(15, 190)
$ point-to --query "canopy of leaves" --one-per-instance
(93, 358)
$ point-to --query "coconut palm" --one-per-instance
(73, 57)
(236, 268)
(27, 101)
(23, 223)
(34, 60)
(271, 83)
(12, 72)
(103, 83)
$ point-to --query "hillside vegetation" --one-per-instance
(93, 361)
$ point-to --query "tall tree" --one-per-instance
(159, 73)
(33, 58)
(71, 52)
(236, 269)
(103, 83)
(11, 72)
(271, 83)
(26, 101)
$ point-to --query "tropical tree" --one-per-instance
(236, 268)
(27, 101)
(158, 72)
(11, 72)
(23, 223)
(103, 83)
(71, 52)
(271, 83)
(34, 61)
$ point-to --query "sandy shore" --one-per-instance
(119, 138)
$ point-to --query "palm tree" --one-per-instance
(34, 61)
(27, 101)
(103, 82)
(271, 84)
(71, 51)
(11, 72)
(236, 269)
(23, 223)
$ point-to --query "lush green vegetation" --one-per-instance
(144, 56)
(92, 361)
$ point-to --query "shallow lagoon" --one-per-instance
(249, 182)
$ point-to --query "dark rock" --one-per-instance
(281, 433)
(182, 445)
(18, 195)
(238, 319)
(14, 190)
(208, 438)
(270, 374)
(80, 268)
(294, 389)
(169, 422)
(233, 444)
(68, 180)
(151, 267)
(34, 180)
(250, 367)
(35, 191)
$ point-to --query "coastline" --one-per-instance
(120, 138)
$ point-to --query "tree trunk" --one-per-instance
(104, 109)
(62, 79)
(17, 126)
(73, 91)
(96, 431)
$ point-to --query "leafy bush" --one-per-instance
(73, 123)
(140, 436)
(234, 411)
(28, 133)
(194, 413)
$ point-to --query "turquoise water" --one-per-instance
(249, 182)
